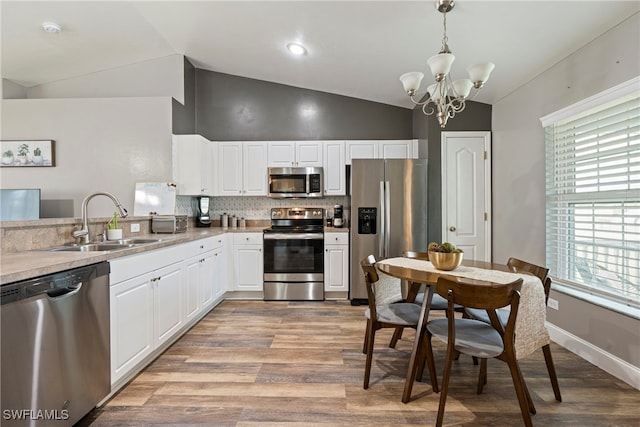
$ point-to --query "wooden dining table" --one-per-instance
(531, 332)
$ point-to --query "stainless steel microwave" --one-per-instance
(296, 182)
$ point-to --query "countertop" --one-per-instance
(24, 265)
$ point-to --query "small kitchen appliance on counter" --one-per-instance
(169, 224)
(294, 255)
(338, 221)
(203, 219)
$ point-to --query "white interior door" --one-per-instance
(466, 192)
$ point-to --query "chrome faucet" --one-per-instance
(84, 231)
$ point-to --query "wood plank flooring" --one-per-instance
(254, 363)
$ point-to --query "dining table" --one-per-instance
(531, 331)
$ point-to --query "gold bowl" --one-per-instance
(446, 261)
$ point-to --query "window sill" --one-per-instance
(593, 298)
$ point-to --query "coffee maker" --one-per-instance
(338, 221)
(203, 219)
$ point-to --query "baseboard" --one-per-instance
(606, 361)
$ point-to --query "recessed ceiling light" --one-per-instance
(51, 27)
(297, 49)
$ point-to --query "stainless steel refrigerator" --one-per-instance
(388, 212)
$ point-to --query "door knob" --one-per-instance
(452, 228)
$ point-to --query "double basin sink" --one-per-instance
(112, 245)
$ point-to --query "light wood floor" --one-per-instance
(254, 363)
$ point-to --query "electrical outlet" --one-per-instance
(135, 228)
(553, 303)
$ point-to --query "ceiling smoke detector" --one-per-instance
(51, 27)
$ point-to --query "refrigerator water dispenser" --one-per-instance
(367, 220)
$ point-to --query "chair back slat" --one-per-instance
(517, 265)
(476, 293)
(368, 265)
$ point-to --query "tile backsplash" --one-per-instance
(257, 207)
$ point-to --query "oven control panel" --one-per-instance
(297, 213)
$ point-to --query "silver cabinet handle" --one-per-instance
(452, 228)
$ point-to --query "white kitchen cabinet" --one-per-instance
(288, 154)
(192, 157)
(248, 262)
(203, 275)
(336, 262)
(254, 166)
(361, 150)
(145, 304)
(242, 169)
(390, 149)
(132, 337)
(167, 307)
(381, 149)
(334, 168)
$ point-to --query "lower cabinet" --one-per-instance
(248, 262)
(156, 295)
(336, 262)
(145, 312)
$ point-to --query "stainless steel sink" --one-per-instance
(133, 241)
(92, 247)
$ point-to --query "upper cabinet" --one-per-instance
(381, 149)
(192, 157)
(335, 183)
(295, 154)
(242, 169)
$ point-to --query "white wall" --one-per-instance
(156, 77)
(105, 144)
(519, 172)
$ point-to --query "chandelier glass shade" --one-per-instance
(446, 96)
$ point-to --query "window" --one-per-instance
(593, 194)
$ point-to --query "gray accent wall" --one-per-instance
(233, 108)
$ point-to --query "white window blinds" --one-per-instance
(593, 199)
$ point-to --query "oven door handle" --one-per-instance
(294, 236)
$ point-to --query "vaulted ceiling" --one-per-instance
(355, 48)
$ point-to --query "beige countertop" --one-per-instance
(24, 265)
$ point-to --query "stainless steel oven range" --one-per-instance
(294, 255)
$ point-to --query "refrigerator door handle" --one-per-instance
(387, 218)
(382, 233)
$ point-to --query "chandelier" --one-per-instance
(445, 97)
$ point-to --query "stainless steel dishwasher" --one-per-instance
(55, 347)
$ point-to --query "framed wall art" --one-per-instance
(27, 153)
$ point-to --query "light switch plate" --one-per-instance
(135, 228)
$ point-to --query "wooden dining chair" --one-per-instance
(416, 294)
(385, 309)
(518, 266)
(475, 337)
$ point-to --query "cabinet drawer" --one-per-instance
(336, 238)
(247, 238)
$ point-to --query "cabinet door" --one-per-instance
(131, 324)
(248, 268)
(361, 150)
(254, 169)
(334, 168)
(192, 288)
(281, 154)
(230, 169)
(167, 284)
(399, 149)
(309, 153)
(186, 164)
(219, 273)
(207, 278)
(336, 268)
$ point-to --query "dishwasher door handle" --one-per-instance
(60, 292)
